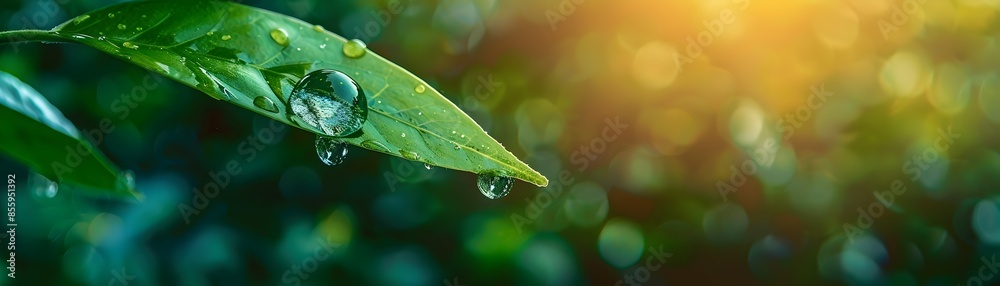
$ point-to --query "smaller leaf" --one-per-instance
(35, 133)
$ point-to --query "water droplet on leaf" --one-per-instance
(330, 101)
(408, 155)
(375, 146)
(494, 186)
(330, 150)
(355, 48)
(130, 45)
(265, 103)
(121, 26)
(420, 88)
(317, 28)
(280, 36)
(111, 15)
(226, 37)
(126, 181)
(80, 19)
(404, 135)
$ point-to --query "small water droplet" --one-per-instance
(80, 19)
(130, 45)
(379, 102)
(427, 166)
(322, 46)
(144, 16)
(298, 49)
(138, 28)
(280, 36)
(330, 150)
(420, 88)
(226, 37)
(265, 103)
(375, 146)
(408, 155)
(463, 135)
(317, 28)
(121, 26)
(330, 101)
(453, 132)
(126, 181)
(43, 186)
(457, 147)
(404, 135)
(101, 38)
(111, 15)
(494, 186)
(210, 33)
(355, 48)
(420, 113)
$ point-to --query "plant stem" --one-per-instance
(25, 36)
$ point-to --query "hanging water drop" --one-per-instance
(494, 186)
(420, 88)
(265, 103)
(280, 36)
(330, 101)
(427, 166)
(330, 150)
(355, 49)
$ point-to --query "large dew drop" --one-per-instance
(330, 101)
(494, 186)
(330, 150)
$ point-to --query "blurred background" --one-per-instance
(687, 142)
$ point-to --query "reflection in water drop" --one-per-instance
(330, 150)
(494, 186)
(330, 101)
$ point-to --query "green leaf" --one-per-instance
(226, 50)
(36, 133)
